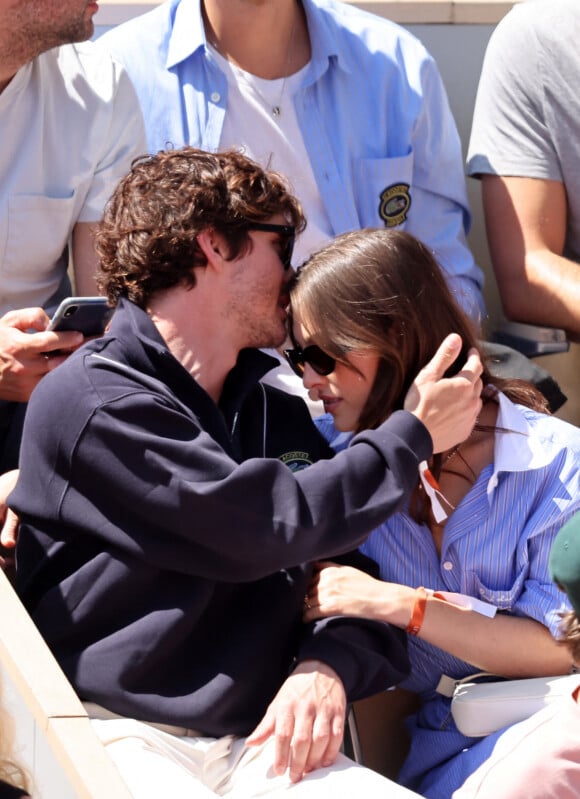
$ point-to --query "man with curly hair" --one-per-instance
(167, 521)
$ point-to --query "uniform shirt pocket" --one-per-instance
(37, 231)
(503, 598)
(384, 191)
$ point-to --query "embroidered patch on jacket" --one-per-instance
(296, 461)
(395, 204)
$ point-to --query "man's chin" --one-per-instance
(81, 31)
(86, 32)
(273, 337)
(276, 341)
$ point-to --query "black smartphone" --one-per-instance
(89, 315)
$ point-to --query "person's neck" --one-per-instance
(17, 46)
(268, 38)
(4, 82)
(462, 465)
(471, 456)
(8, 69)
(195, 336)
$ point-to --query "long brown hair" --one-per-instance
(383, 291)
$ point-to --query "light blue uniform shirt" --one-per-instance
(495, 547)
(372, 109)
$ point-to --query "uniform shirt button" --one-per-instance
(448, 565)
(215, 97)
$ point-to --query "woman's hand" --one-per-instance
(344, 591)
(486, 643)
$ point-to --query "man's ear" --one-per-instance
(214, 247)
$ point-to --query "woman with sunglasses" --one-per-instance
(464, 567)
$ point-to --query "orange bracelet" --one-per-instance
(418, 614)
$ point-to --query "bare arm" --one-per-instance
(85, 260)
(525, 221)
(505, 645)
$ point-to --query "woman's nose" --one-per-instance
(311, 378)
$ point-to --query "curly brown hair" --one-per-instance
(147, 239)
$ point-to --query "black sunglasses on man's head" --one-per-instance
(287, 237)
(320, 361)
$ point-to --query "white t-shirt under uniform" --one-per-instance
(275, 141)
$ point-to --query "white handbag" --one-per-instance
(479, 709)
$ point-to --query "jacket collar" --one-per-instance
(153, 357)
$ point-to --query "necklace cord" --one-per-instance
(276, 109)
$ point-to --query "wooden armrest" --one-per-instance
(42, 690)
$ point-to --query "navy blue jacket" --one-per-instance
(163, 557)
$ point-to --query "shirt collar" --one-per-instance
(188, 35)
(323, 34)
(518, 450)
(187, 32)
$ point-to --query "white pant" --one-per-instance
(154, 763)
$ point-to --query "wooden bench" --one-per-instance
(55, 742)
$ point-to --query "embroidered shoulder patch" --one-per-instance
(395, 204)
(296, 461)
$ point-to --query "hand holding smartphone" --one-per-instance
(88, 315)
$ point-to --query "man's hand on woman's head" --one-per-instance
(447, 406)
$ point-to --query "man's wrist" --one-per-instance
(312, 665)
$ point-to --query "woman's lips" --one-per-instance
(330, 403)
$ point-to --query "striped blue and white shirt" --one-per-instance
(496, 544)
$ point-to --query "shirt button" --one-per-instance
(215, 97)
(448, 565)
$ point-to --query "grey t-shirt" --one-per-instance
(526, 121)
